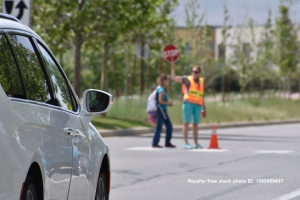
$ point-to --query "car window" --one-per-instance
(59, 83)
(34, 81)
(9, 76)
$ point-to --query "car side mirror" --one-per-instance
(96, 102)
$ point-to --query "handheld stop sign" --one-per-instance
(170, 53)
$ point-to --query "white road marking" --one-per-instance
(288, 196)
(274, 151)
(172, 149)
(144, 148)
(209, 150)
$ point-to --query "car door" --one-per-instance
(57, 148)
(81, 186)
(19, 130)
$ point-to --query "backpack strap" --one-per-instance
(158, 87)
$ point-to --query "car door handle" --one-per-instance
(71, 132)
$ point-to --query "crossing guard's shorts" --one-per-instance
(189, 110)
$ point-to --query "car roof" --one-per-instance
(11, 22)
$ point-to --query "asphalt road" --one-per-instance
(262, 154)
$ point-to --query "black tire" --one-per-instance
(102, 191)
(29, 191)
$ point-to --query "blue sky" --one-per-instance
(239, 11)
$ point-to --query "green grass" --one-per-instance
(114, 123)
(132, 112)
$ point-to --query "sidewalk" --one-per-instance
(138, 131)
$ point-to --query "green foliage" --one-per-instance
(286, 45)
(114, 123)
(92, 25)
(271, 56)
(88, 24)
(198, 46)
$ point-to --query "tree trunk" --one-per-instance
(213, 89)
(127, 70)
(77, 60)
(229, 87)
(251, 89)
(261, 94)
(289, 85)
(133, 75)
(160, 65)
(104, 82)
(223, 87)
(142, 82)
(281, 89)
(299, 87)
(149, 76)
(276, 88)
(115, 76)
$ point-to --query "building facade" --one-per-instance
(192, 39)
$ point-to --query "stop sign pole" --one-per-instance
(170, 53)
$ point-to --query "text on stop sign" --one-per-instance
(170, 53)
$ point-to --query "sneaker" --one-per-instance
(198, 146)
(187, 146)
(170, 146)
(156, 146)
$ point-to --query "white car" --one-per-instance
(48, 147)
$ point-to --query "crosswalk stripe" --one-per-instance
(209, 150)
(188, 150)
(274, 151)
(144, 148)
(288, 196)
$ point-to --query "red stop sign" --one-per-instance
(170, 53)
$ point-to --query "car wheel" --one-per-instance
(29, 192)
(101, 193)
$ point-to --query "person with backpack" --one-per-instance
(193, 102)
(161, 113)
(152, 106)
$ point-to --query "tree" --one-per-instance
(224, 44)
(77, 23)
(285, 45)
(197, 43)
(151, 31)
(264, 61)
(69, 23)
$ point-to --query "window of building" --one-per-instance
(211, 46)
(258, 50)
(187, 49)
(246, 50)
(222, 51)
(235, 52)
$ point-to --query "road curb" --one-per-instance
(138, 131)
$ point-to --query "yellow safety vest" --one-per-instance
(195, 93)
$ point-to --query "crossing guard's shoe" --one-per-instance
(198, 146)
(187, 146)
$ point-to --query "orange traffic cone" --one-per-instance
(214, 139)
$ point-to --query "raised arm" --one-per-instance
(173, 75)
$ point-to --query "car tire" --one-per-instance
(102, 191)
(29, 191)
